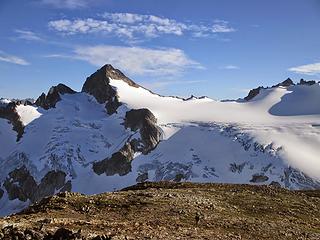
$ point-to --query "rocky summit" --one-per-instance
(168, 210)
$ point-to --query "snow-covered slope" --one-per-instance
(94, 142)
(265, 118)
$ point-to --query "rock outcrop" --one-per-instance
(1, 193)
(309, 83)
(98, 85)
(286, 83)
(53, 96)
(253, 92)
(144, 121)
(259, 178)
(21, 185)
(118, 163)
(9, 112)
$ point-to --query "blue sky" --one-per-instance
(215, 48)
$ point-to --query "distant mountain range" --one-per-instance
(115, 133)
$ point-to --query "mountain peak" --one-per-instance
(53, 96)
(110, 72)
(286, 83)
(98, 85)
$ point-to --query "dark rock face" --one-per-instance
(53, 96)
(98, 85)
(52, 181)
(119, 163)
(253, 92)
(303, 82)
(259, 178)
(9, 112)
(1, 193)
(21, 185)
(286, 83)
(24, 102)
(145, 121)
(142, 177)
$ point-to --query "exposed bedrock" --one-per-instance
(9, 112)
(286, 83)
(144, 121)
(309, 83)
(120, 162)
(253, 92)
(53, 96)
(21, 185)
(259, 178)
(98, 85)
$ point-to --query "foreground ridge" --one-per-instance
(168, 210)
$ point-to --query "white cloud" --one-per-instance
(135, 60)
(134, 26)
(218, 28)
(308, 69)
(230, 67)
(221, 26)
(68, 4)
(12, 59)
(123, 17)
(28, 35)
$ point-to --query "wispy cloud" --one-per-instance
(230, 67)
(135, 26)
(12, 59)
(135, 60)
(221, 26)
(68, 4)
(28, 35)
(308, 69)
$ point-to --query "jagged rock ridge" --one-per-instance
(53, 96)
